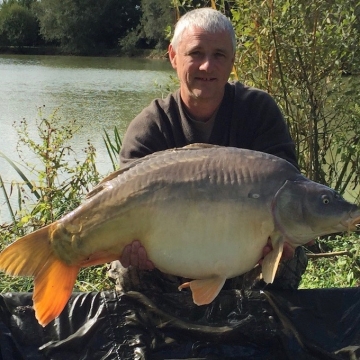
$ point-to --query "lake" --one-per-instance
(98, 92)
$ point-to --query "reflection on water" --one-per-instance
(99, 93)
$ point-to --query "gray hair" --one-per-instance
(208, 19)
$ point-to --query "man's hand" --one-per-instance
(135, 254)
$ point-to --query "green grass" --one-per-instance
(94, 279)
(336, 271)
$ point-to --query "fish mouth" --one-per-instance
(353, 222)
(356, 224)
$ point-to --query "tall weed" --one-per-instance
(54, 182)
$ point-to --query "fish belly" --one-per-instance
(190, 236)
(199, 240)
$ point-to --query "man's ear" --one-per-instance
(172, 56)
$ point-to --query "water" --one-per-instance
(99, 93)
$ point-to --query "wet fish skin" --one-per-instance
(201, 212)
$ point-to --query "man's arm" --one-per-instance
(157, 128)
(270, 132)
(143, 137)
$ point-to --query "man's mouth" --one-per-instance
(205, 78)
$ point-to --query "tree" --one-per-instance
(157, 16)
(85, 26)
(297, 51)
(18, 25)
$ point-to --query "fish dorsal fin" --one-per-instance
(204, 291)
(271, 261)
(104, 182)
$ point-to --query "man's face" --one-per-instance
(203, 62)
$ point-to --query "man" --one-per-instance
(206, 109)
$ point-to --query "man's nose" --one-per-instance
(207, 63)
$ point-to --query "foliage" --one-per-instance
(24, 3)
(59, 186)
(113, 147)
(338, 271)
(298, 51)
(18, 25)
(157, 15)
(85, 26)
(60, 180)
(150, 32)
(158, 18)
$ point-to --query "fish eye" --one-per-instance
(325, 199)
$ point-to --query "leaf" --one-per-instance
(21, 174)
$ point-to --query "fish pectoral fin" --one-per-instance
(184, 285)
(204, 291)
(53, 288)
(271, 261)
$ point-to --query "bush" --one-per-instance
(18, 26)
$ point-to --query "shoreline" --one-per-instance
(54, 50)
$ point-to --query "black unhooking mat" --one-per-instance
(301, 324)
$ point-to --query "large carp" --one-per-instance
(201, 212)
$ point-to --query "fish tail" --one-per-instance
(32, 255)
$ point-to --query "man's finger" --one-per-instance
(134, 255)
(288, 252)
(125, 256)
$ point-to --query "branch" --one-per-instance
(330, 254)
